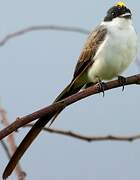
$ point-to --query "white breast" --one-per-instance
(116, 52)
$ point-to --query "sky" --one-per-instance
(35, 67)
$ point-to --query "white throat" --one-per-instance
(121, 23)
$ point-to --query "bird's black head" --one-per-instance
(119, 10)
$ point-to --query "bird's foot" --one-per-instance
(101, 86)
(122, 81)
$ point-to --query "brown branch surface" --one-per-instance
(12, 146)
(89, 138)
(42, 28)
(66, 102)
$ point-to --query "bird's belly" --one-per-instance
(112, 58)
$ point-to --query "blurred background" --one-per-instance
(35, 67)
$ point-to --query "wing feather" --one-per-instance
(89, 50)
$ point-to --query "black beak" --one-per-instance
(126, 16)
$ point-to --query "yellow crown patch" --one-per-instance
(121, 4)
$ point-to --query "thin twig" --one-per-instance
(89, 138)
(12, 146)
(66, 102)
(42, 28)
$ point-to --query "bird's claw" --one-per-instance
(122, 81)
(101, 86)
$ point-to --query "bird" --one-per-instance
(109, 49)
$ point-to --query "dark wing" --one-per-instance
(86, 57)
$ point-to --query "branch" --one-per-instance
(66, 102)
(12, 146)
(89, 138)
(42, 28)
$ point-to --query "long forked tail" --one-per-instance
(35, 130)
